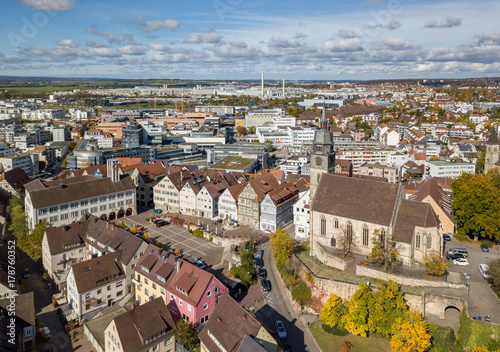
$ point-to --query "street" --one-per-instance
(482, 300)
(278, 307)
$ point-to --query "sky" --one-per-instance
(239, 39)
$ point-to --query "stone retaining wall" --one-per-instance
(363, 270)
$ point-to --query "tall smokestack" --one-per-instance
(283, 86)
(262, 86)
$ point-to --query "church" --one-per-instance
(352, 209)
(492, 156)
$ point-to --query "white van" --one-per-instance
(484, 270)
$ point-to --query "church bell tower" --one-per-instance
(323, 154)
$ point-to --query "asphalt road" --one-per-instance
(278, 307)
(482, 299)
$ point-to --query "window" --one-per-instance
(209, 293)
(154, 286)
(109, 287)
(146, 292)
(429, 241)
(365, 236)
(119, 284)
(180, 302)
(119, 293)
(323, 226)
(349, 232)
(417, 241)
(205, 306)
(171, 297)
(99, 291)
(382, 238)
(336, 223)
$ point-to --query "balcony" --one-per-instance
(136, 282)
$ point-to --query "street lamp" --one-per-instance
(467, 277)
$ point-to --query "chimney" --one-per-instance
(178, 264)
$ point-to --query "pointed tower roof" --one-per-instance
(324, 122)
(493, 140)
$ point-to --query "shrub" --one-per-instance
(309, 278)
(211, 238)
(197, 233)
(442, 338)
(45, 277)
(177, 251)
(301, 292)
(345, 346)
(337, 330)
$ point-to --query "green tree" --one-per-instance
(356, 319)
(242, 131)
(333, 312)
(133, 229)
(301, 292)
(31, 243)
(186, 335)
(435, 265)
(476, 203)
(384, 251)
(411, 333)
(122, 224)
(251, 130)
(386, 306)
(281, 245)
(18, 224)
(494, 272)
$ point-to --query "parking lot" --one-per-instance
(173, 236)
(482, 299)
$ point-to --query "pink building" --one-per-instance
(189, 292)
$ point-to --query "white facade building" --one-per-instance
(439, 168)
(301, 214)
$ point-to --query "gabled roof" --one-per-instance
(63, 238)
(16, 178)
(44, 194)
(97, 271)
(143, 322)
(411, 214)
(355, 198)
(159, 262)
(263, 185)
(191, 276)
(229, 324)
(111, 237)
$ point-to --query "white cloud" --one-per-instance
(151, 26)
(94, 44)
(212, 37)
(345, 33)
(127, 38)
(49, 5)
(69, 43)
(450, 22)
(193, 38)
(131, 50)
(393, 44)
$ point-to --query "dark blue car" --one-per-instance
(446, 237)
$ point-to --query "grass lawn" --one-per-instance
(331, 343)
(474, 333)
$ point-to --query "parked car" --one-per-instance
(259, 253)
(199, 264)
(259, 262)
(161, 223)
(158, 211)
(455, 256)
(288, 348)
(265, 285)
(280, 328)
(262, 273)
(461, 261)
(26, 273)
(462, 251)
(485, 248)
(446, 237)
(484, 270)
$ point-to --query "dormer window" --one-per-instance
(143, 268)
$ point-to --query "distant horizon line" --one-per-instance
(27, 78)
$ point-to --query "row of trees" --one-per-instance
(382, 312)
(28, 242)
(282, 246)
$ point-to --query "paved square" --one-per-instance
(173, 236)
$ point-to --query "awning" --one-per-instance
(68, 312)
(235, 221)
(61, 301)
